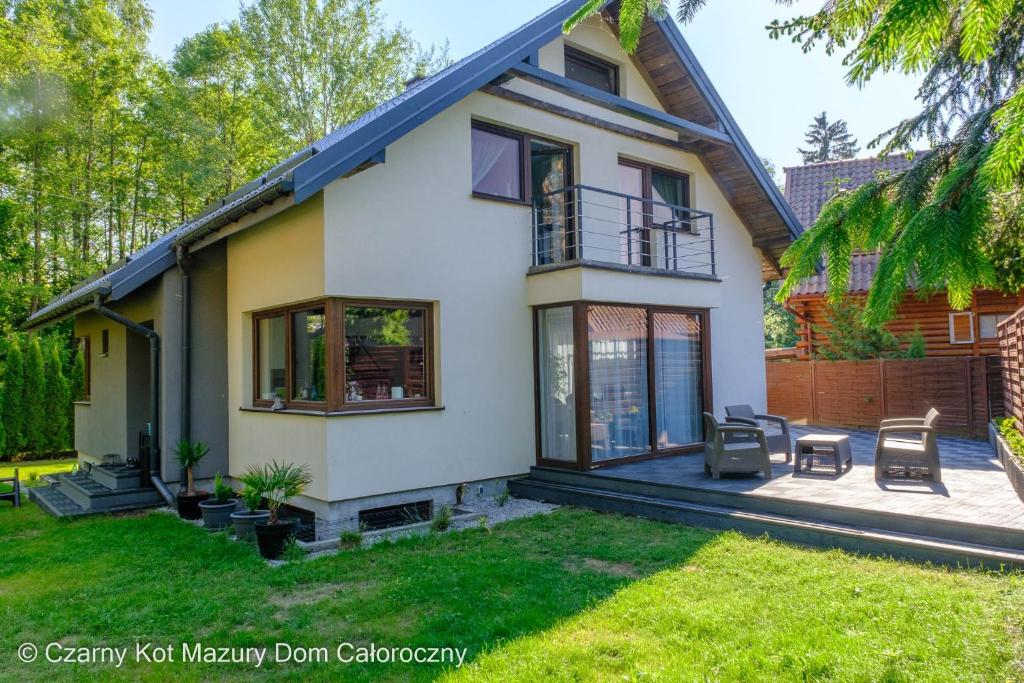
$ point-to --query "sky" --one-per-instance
(771, 87)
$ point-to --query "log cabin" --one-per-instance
(947, 332)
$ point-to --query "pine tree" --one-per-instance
(13, 383)
(952, 221)
(76, 389)
(35, 408)
(828, 141)
(55, 397)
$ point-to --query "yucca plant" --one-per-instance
(189, 454)
(277, 482)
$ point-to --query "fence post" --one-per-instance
(883, 404)
(814, 395)
(969, 379)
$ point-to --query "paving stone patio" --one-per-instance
(974, 488)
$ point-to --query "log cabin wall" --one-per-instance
(931, 315)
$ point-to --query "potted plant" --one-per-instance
(278, 482)
(218, 508)
(190, 453)
(245, 519)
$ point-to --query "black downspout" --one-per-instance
(154, 386)
(186, 351)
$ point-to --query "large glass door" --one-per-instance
(619, 396)
(636, 388)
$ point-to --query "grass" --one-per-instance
(574, 595)
(40, 467)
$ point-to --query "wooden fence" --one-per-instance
(1011, 352)
(859, 394)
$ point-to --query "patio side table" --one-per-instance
(834, 447)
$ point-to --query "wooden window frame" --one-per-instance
(588, 59)
(952, 330)
(428, 399)
(334, 312)
(525, 174)
(997, 316)
(581, 377)
(647, 188)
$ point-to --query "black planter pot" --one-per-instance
(217, 515)
(245, 522)
(188, 505)
(272, 538)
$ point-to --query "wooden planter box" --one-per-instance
(1013, 467)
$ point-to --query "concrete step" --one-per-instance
(95, 497)
(117, 477)
(859, 517)
(798, 530)
(52, 500)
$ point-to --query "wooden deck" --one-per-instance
(972, 517)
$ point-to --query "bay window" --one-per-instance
(341, 355)
(638, 388)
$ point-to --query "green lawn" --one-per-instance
(570, 596)
(40, 467)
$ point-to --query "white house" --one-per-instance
(549, 252)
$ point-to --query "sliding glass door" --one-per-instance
(619, 396)
(636, 389)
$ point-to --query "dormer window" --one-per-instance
(589, 70)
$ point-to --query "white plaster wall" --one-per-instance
(410, 229)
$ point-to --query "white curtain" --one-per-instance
(677, 373)
(557, 389)
(495, 164)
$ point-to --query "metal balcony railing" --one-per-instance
(587, 224)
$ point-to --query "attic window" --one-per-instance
(589, 70)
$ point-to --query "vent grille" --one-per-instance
(395, 515)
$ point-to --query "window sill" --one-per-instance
(342, 413)
(86, 402)
(500, 199)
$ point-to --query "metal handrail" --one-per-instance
(643, 238)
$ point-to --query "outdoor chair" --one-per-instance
(919, 455)
(14, 495)
(777, 443)
(735, 448)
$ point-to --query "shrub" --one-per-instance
(1014, 438)
(13, 380)
(33, 401)
(251, 497)
(222, 493)
(443, 520)
(502, 498)
(56, 398)
(351, 538)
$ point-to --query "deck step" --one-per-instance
(921, 548)
(950, 530)
(52, 500)
(117, 477)
(93, 496)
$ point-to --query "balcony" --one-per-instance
(587, 226)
